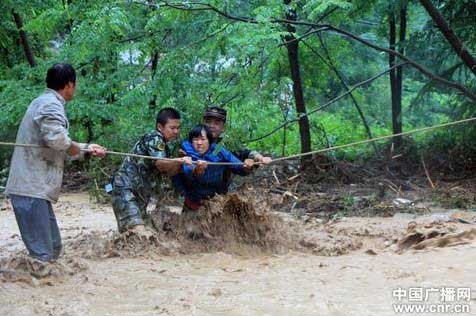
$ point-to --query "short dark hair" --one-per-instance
(197, 132)
(59, 75)
(167, 114)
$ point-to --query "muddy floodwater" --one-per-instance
(350, 267)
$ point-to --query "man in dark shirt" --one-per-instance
(215, 119)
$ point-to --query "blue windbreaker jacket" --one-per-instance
(211, 182)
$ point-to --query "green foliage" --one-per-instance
(316, 8)
(206, 59)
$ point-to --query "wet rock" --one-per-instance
(464, 217)
(401, 201)
(420, 237)
(37, 273)
(371, 252)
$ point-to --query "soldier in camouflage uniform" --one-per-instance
(215, 119)
(138, 178)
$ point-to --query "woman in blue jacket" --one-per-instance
(201, 181)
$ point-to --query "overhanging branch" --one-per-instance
(202, 6)
(326, 104)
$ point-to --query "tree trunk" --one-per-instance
(340, 76)
(24, 39)
(292, 46)
(283, 150)
(69, 24)
(399, 71)
(155, 62)
(450, 35)
(89, 127)
(396, 101)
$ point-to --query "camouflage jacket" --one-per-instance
(139, 174)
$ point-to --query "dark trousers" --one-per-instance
(38, 227)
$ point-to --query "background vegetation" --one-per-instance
(265, 61)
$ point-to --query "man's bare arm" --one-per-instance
(74, 149)
(172, 167)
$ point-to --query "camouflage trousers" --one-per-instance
(129, 206)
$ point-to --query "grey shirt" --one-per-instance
(38, 172)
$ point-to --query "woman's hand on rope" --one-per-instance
(202, 164)
(185, 160)
(200, 167)
(248, 164)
